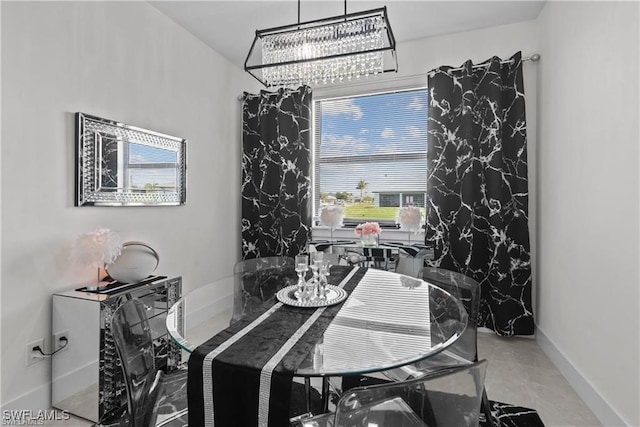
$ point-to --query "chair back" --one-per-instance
(334, 259)
(448, 397)
(257, 280)
(380, 257)
(134, 344)
(467, 290)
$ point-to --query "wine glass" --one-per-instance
(302, 266)
(321, 291)
(312, 288)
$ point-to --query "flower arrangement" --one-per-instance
(410, 218)
(368, 228)
(332, 216)
(368, 232)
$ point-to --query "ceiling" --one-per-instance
(229, 26)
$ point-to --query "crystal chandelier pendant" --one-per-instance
(325, 51)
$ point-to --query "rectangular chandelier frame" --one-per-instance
(388, 49)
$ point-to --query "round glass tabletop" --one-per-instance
(386, 321)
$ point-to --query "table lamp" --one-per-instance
(97, 248)
(332, 216)
(410, 219)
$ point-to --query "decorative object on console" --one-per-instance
(368, 233)
(136, 262)
(410, 219)
(97, 248)
(332, 216)
(348, 47)
(123, 165)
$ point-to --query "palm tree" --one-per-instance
(361, 186)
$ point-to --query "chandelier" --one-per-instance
(342, 48)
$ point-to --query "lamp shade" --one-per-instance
(332, 216)
(410, 218)
(96, 247)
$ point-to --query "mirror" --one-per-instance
(123, 165)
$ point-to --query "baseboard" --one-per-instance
(35, 400)
(598, 405)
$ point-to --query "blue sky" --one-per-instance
(144, 154)
(374, 125)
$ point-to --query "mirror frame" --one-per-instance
(90, 166)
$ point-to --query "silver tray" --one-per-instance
(334, 296)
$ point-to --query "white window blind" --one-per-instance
(378, 142)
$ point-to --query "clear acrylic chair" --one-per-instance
(449, 397)
(259, 279)
(333, 258)
(149, 390)
(465, 348)
(411, 258)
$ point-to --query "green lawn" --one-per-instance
(368, 211)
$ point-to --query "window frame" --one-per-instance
(316, 136)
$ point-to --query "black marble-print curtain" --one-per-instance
(477, 185)
(276, 165)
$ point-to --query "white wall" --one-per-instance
(128, 62)
(588, 201)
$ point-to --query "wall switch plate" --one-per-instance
(60, 344)
(33, 356)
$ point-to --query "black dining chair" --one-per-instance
(449, 397)
(369, 256)
(150, 392)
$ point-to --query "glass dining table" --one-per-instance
(387, 320)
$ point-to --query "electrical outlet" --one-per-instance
(60, 344)
(33, 356)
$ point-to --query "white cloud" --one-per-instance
(335, 145)
(416, 132)
(416, 104)
(364, 131)
(137, 158)
(342, 106)
(387, 133)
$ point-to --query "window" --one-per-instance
(370, 154)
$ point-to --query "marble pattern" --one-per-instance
(478, 189)
(276, 166)
(507, 415)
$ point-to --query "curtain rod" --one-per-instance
(533, 58)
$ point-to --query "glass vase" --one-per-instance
(369, 239)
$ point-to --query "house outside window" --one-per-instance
(370, 154)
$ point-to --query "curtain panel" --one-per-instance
(477, 185)
(276, 173)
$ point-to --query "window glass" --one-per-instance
(370, 154)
